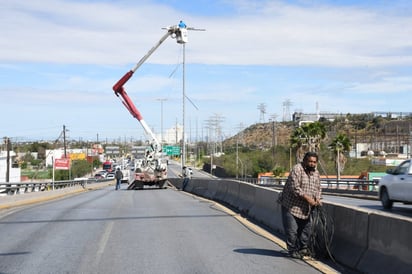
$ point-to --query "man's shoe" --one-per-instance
(295, 255)
(304, 252)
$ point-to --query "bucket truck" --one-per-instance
(152, 169)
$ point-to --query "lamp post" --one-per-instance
(161, 118)
(237, 157)
(183, 40)
(183, 110)
(242, 169)
(338, 149)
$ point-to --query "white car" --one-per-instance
(396, 185)
(110, 175)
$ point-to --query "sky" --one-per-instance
(256, 61)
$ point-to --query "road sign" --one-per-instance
(171, 150)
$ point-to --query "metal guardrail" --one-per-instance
(332, 183)
(350, 187)
(26, 187)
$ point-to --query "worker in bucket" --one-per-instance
(182, 24)
(301, 193)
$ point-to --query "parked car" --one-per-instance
(396, 185)
(110, 175)
(98, 176)
(103, 173)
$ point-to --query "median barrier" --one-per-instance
(212, 189)
(232, 194)
(390, 245)
(350, 239)
(198, 187)
(246, 197)
(266, 210)
(221, 191)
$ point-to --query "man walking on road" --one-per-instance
(119, 176)
(300, 194)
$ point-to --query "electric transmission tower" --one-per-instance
(262, 108)
(286, 110)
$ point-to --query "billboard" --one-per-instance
(63, 164)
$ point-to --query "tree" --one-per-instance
(340, 145)
(307, 137)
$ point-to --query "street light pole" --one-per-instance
(338, 148)
(161, 118)
(183, 111)
(237, 157)
(243, 169)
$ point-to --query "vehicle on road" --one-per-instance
(110, 175)
(103, 173)
(108, 166)
(98, 176)
(396, 185)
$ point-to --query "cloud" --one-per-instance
(60, 54)
(273, 33)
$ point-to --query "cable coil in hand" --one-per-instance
(322, 233)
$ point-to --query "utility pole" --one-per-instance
(161, 118)
(237, 156)
(183, 28)
(8, 148)
(64, 141)
(338, 149)
(274, 139)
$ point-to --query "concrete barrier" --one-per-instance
(246, 197)
(266, 210)
(221, 191)
(350, 239)
(389, 245)
(212, 189)
(232, 193)
(198, 187)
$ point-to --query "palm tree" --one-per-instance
(298, 141)
(317, 133)
(307, 138)
(340, 144)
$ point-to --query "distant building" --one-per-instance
(300, 117)
(172, 135)
(14, 172)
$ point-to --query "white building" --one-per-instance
(14, 173)
(172, 135)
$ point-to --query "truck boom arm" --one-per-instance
(128, 103)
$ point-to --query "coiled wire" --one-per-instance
(322, 234)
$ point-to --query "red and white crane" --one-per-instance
(152, 171)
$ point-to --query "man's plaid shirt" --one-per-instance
(298, 183)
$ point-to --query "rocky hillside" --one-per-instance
(262, 135)
(379, 133)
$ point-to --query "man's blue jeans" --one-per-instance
(185, 182)
(118, 181)
(297, 231)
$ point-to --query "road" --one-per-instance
(147, 231)
(371, 205)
